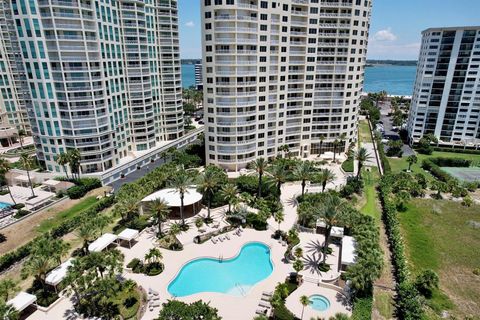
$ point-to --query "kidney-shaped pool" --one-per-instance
(233, 276)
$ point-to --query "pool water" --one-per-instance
(319, 302)
(233, 276)
(4, 205)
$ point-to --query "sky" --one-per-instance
(395, 31)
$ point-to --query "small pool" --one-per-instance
(319, 302)
(4, 205)
(233, 276)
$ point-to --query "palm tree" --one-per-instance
(87, 231)
(330, 212)
(325, 176)
(305, 301)
(335, 145)
(59, 249)
(174, 230)
(229, 194)
(4, 168)
(153, 255)
(63, 160)
(159, 210)
(74, 157)
(341, 140)
(180, 182)
(207, 186)
(21, 133)
(279, 217)
(279, 174)
(362, 156)
(411, 160)
(38, 266)
(285, 150)
(26, 163)
(303, 172)
(322, 138)
(298, 266)
(260, 165)
(7, 286)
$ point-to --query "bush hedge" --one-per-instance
(465, 151)
(82, 186)
(383, 157)
(362, 308)
(405, 307)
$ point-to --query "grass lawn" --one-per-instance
(371, 207)
(384, 304)
(128, 303)
(400, 164)
(364, 131)
(439, 236)
(48, 224)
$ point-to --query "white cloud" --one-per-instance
(385, 35)
(190, 24)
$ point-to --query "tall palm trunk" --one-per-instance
(30, 182)
(209, 204)
(11, 196)
(360, 165)
(181, 208)
(260, 176)
(303, 187)
(279, 189)
(324, 185)
(328, 229)
(66, 171)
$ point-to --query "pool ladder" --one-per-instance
(220, 257)
(242, 292)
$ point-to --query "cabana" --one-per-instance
(103, 242)
(348, 252)
(128, 235)
(336, 232)
(22, 301)
(191, 201)
(56, 276)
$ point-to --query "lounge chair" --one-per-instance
(220, 238)
(264, 304)
(266, 298)
(261, 311)
(227, 236)
(214, 240)
(267, 293)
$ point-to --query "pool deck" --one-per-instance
(230, 306)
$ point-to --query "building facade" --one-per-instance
(446, 98)
(285, 72)
(198, 76)
(13, 88)
(104, 77)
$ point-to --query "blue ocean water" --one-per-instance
(396, 80)
(188, 75)
(234, 276)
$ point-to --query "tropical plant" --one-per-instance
(279, 217)
(426, 282)
(4, 168)
(330, 212)
(362, 156)
(411, 160)
(74, 158)
(298, 266)
(7, 287)
(181, 181)
(8, 311)
(87, 232)
(63, 160)
(178, 310)
(154, 255)
(26, 163)
(279, 174)
(304, 301)
(159, 210)
(303, 171)
(285, 149)
(207, 185)
(229, 193)
(260, 167)
(335, 145)
(298, 252)
(325, 176)
(174, 229)
(21, 134)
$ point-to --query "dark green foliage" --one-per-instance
(409, 306)
(46, 295)
(2, 238)
(282, 291)
(353, 185)
(21, 214)
(432, 166)
(383, 157)
(178, 310)
(256, 221)
(368, 107)
(426, 282)
(465, 151)
(249, 184)
(362, 308)
(18, 206)
(82, 186)
(395, 148)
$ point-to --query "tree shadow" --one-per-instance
(311, 262)
(314, 246)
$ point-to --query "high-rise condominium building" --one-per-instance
(13, 89)
(104, 77)
(284, 72)
(446, 98)
(198, 76)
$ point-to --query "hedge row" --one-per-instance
(82, 186)
(383, 157)
(436, 171)
(9, 259)
(397, 248)
(466, 151)
(451, 162)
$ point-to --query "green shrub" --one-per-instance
(426, 282)
(362, 308)
(21, 214)
(256, 222)
(82, 186)
(18, 206)
(136, 265)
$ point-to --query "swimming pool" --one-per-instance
(233, 276)
(319, 302)
(4, 205)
